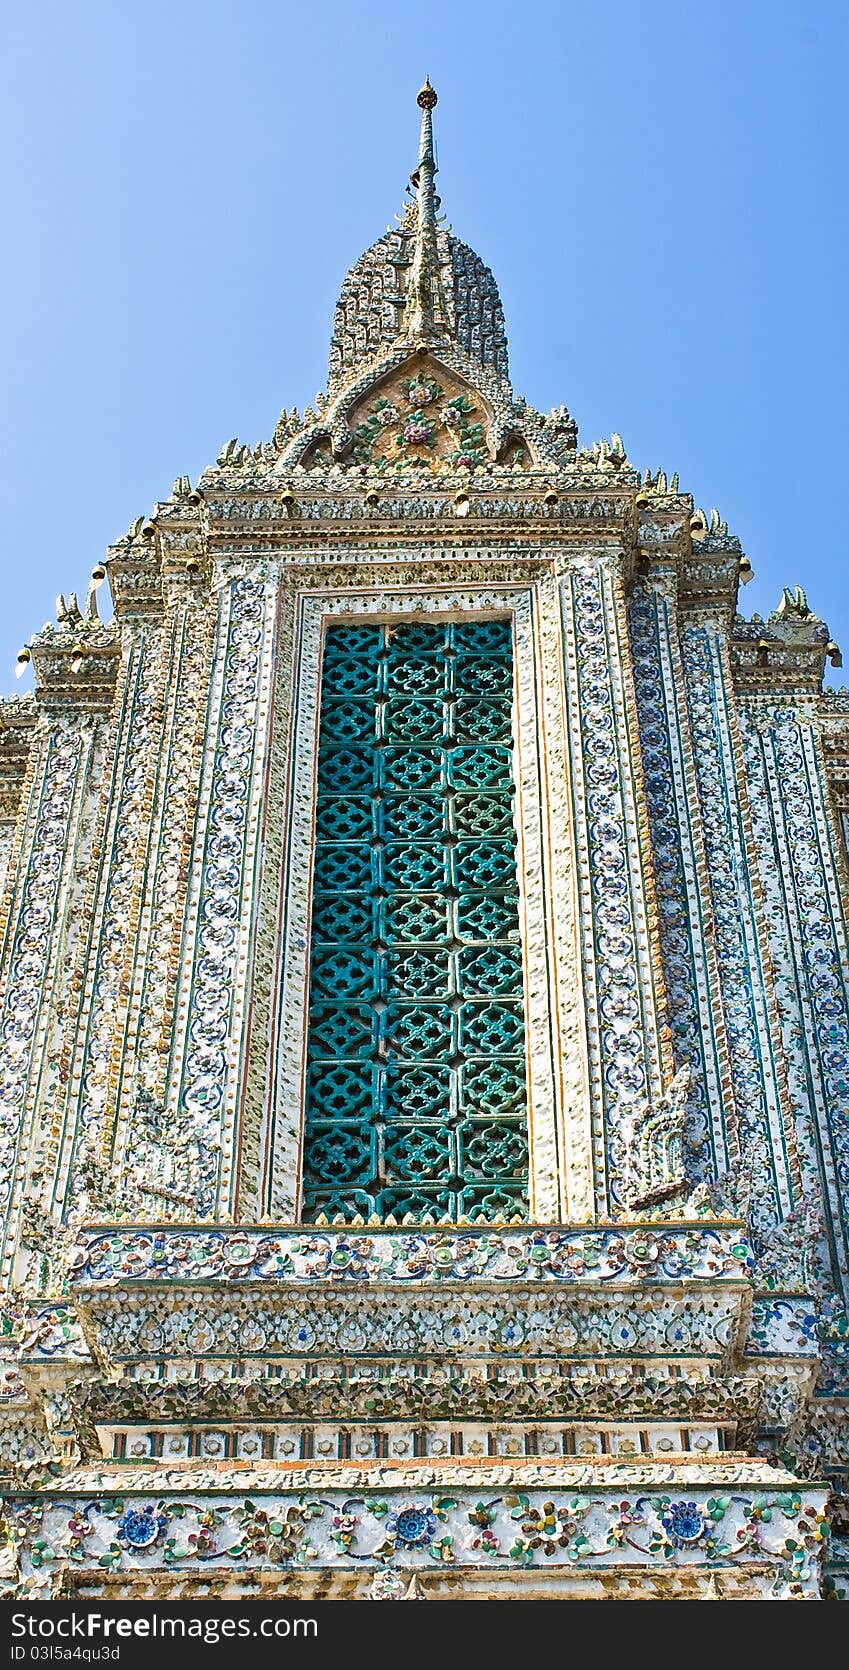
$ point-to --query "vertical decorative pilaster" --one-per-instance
(682, 884)
(268, 1168)
(558, 939)
(627, 1036)
(7, 841)
(115, 894)
(33, 941)
(199, 1131)
(153, 1011)
(758, 1067)
(797, 864)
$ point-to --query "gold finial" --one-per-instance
(426, 99)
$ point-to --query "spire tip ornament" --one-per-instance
(425, 313)
(437, 290)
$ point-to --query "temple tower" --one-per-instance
(424, 1021)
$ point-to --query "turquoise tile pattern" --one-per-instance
(416, 1100)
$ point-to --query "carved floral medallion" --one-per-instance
(421, 420)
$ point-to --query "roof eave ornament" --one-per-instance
(425, 314)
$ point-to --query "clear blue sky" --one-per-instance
(660, 189)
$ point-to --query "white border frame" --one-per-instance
(282, 1159)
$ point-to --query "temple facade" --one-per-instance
(424, 1019)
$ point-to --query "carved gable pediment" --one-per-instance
(421, 415)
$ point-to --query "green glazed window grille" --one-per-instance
(416, 1103)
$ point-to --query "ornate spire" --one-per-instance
(425, 313)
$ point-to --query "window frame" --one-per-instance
(545, 877)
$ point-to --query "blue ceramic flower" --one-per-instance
(412, 1525)
(684, 1522)
(140, 1527)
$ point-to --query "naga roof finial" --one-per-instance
(425, 313)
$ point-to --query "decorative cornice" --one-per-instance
(704, 1249)
(710, 576)
(462, 1395)
(785, 654)
(76, 670)
(135, 577)
(19, 718)
(833, 723)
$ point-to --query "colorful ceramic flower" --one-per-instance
(418, 430)
(140, 1528)
(684, 1523)
(412, 1525)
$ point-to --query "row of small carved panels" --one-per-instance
(330, 1442)
(208, 1393)
(328, 516)
(783, 1528)
(309, 502)
(707, 1250)
(780, 1326)
(293, 1326)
